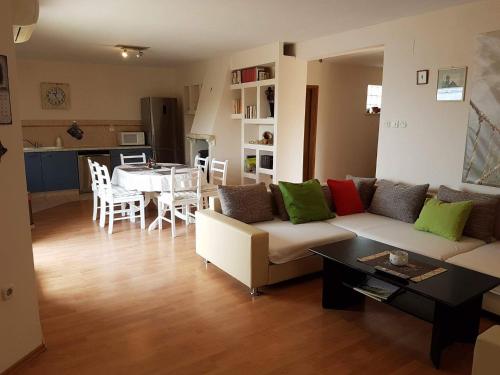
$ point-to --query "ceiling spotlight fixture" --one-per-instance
(137, 50)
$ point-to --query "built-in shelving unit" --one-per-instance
(253, 94)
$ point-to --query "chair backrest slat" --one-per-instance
(103, 178)
(203, 164)
(185, 180)
(218, 172)
(125, 159)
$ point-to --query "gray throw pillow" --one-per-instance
(481, 222)
(328, 197)
(366, 188)
(246, 203)
(398, 201)
(279, 202)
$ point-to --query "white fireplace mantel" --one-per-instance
(193, 137)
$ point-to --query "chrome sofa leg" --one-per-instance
(254, 292)
(206, 261)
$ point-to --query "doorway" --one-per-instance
(310, 129)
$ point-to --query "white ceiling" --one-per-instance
(180, 31)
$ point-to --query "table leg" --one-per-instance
(336, 295)
(451, 324)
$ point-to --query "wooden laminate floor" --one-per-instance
(143, 303)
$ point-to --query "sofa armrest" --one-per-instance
(237, 248)
(486, 352)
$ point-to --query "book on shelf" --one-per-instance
(377, 289)
(236, 106)
(236, 77)
(251, 111)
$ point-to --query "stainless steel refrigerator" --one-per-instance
(163, 128)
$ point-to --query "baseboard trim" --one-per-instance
(33, 354)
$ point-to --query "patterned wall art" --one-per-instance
(482, 150)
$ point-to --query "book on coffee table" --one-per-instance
(377, 289)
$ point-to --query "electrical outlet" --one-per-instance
(7, 292)
(397, 124)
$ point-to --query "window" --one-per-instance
(373, 98)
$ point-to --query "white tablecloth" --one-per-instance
(143, 179)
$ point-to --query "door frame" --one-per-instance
(310, 132)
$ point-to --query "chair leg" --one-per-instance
(172, 217)
(160, 215)
(96, 202)
(187, 210)
(143, 219)
(131, 212)
(111, 217)
(102, 218)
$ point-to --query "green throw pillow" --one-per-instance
(305, 202)
(444, 219)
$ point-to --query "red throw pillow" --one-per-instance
(346, 197)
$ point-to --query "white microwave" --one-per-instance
(131, 139)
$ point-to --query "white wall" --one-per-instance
(346, 141)
(98, 91)
(431, 148)
(20, 331)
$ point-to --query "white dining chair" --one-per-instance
(218, 172)
(112, 195)
(203, 164)
(218, 176)
(184, 194)
(95, 187)
(136, 159)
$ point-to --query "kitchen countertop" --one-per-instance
(53, 148)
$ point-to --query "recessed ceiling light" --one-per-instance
(124, 53)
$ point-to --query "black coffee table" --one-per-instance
(451, 301)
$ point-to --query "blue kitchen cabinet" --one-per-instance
(115, 155)
(34, 175)
(60, 170)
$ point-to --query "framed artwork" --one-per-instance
(55, 95)
(423, 77)
(5, 108)
(482, 150)
(451, 84)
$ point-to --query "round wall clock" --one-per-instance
(55, 95)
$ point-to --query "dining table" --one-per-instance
(150, 181)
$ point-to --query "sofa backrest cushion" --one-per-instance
(246, 203)
(278, 202)
(482, 220)
(398, 201)
(366, 188)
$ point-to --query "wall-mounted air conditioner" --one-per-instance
(25, 19)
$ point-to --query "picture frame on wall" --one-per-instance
(451, 84)
(423, 77)
(5, 106)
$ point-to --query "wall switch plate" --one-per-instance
(7, 292)
(396, 124)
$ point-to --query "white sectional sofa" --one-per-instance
(269, 252)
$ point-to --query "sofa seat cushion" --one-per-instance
(484, 259)
(404, 235)
(289, 242)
